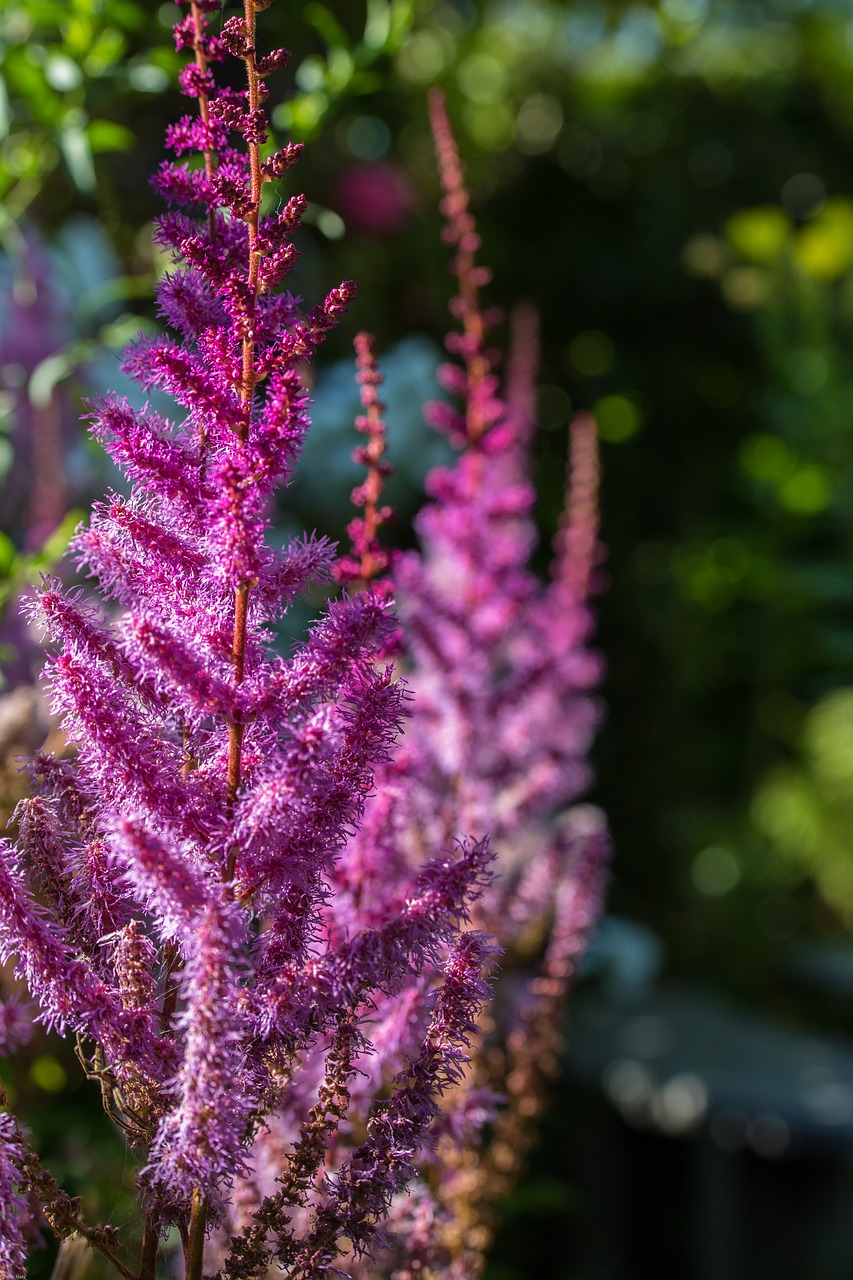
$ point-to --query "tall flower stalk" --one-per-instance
(172, 900)
(504, 715)
(498, 740)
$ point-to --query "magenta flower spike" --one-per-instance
(502, 720)
(174, 898)
(368, 561)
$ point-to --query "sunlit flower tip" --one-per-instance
(69, 619)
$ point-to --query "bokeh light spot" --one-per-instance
(759, 235)
(745, 288)
(767, 459)
(48, 1074)
(423, 57)
(618, 418)
(803, 195)
(715, 871)
(368, 137)
(492, 127)
(705, 255)
(539, 122)
(806, 492)
(481, 78)
(591, 353)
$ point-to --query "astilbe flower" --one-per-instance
(497, 741)
(505, 713)
(172, 896)
(503, 718)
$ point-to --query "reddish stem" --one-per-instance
(204, 106)
(462, 231)
(241, 594)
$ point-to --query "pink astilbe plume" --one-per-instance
(497, 742)
(368, 560)
(173, 896)
(503, 718)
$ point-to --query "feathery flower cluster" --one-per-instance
(497, 743)
(504, 715)
(173, 897)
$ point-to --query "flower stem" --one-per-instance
(195, 1243)
(204, 107)
(150, 1248)
(235, 730)
(241, 595)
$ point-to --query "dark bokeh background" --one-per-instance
(671, 183)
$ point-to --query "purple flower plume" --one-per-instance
(503, 715)
(201, 1142)
(173, 896)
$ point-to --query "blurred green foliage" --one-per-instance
(20, 570)
(806, 808)
(63, 63)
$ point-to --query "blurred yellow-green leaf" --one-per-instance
(759, 235)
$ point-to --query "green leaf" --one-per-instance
(323, 21)
(8, 555)
(57, 544)
(77, 154)
(108, 135)
(377, 27)
(5, 116)
(48, 374)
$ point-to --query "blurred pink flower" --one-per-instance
(374, 197)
